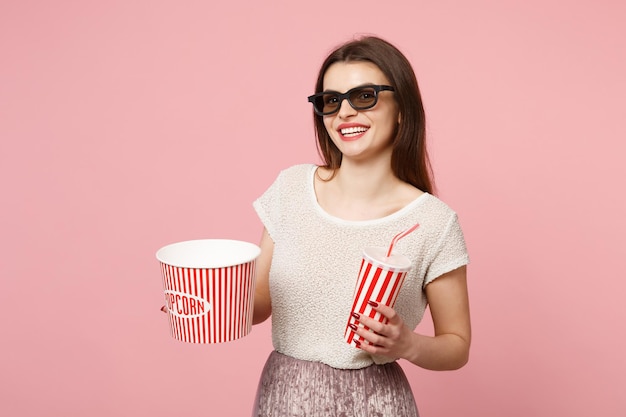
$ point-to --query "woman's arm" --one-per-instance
(449, 307)
(449, 348)
(262, 302)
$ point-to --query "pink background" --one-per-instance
(128, 125)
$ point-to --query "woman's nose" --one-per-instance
(345, 109)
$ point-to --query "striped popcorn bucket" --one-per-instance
(209, 288)
(380, 278)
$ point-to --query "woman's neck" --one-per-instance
(360, 191)
(365, 181)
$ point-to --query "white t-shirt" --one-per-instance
(316, 262)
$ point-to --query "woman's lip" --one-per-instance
(351, 138)
(349, 125)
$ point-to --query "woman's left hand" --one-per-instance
(394, 339)
(449, 347)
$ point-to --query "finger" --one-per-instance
(371, 330)
(371, 324)
(374, 339)
(386, 311)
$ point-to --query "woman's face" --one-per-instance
(361, 134)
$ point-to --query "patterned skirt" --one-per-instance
(292, 387)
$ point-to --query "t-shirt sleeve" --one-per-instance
(451, 252)
(268, 207)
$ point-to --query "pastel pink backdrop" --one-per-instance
(128, 125)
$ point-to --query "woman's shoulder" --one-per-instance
(437, 203)
(435, 209)
(294, 177)
(297, 170)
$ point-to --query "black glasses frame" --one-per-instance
(346, 96)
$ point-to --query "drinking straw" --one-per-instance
(400, 236)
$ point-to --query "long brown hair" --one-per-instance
(409, 158)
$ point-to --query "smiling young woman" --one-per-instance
(410, 160)
(375, 182)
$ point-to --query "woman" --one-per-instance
(375, 182)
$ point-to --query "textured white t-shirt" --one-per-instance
(317, 257)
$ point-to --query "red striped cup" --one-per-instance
(380, 279)
(209, 288)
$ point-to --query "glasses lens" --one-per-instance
(363, 98)
(327, 103)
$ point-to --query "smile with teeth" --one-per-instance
(353, 131)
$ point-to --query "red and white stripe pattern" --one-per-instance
(209, 305)
(377, 283)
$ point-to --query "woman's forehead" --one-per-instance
(342, 76)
